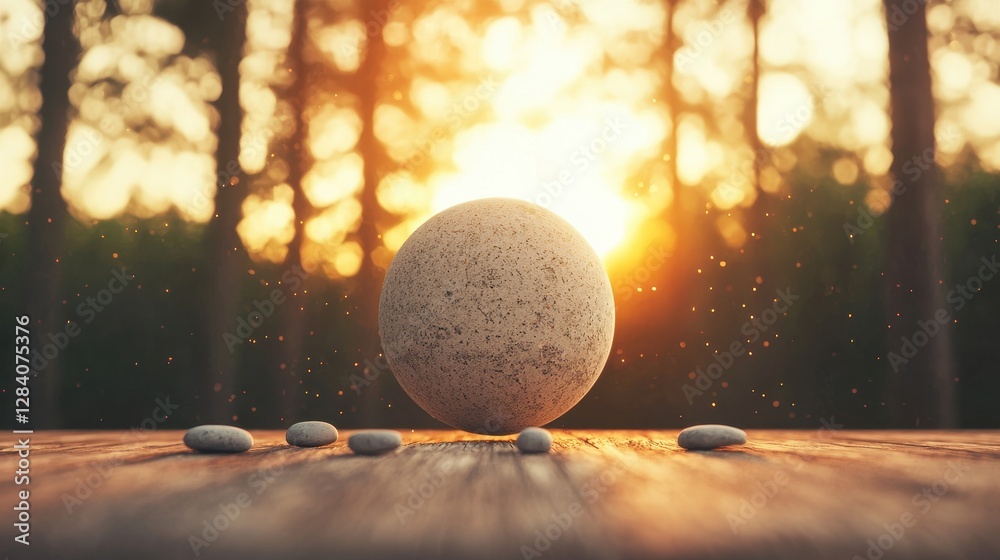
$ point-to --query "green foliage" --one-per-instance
(143, 345)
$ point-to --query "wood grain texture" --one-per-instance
(620, 494)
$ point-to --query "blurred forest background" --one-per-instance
(199, 199)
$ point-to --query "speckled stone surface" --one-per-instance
(710, 436)
(214, 438)
(496, 315)
(311, 434)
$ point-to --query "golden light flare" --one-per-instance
(845, 171)
(342, 260)
(550, 166)
(786, 108)
(16, 147)
(268, 223)
(877, 160)
(333, 131)
(342, 43)
(332, 225)
(696, 154)
(334, 180)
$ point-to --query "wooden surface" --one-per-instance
(621, 494)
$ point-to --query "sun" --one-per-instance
(543, 167)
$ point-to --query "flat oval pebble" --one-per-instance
(311, 434)
(214, 438)
(710, 436)
(374, 442)
(534, 440)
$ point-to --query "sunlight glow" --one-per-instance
(786, 108)
(559, 103)
(267, 225)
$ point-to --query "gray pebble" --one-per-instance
(311, 434)
(710, 436)
(374, 442)
(213, 438)
(534, 440)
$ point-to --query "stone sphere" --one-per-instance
(496, 315)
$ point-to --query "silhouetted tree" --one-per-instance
(290, 314)
(47, 217)
(920, 387)
(755, 9)
(227, 255)
(670, 96)
(369, 280)
(756, 218)
(683, 212)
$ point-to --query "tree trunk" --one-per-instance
(759, 222)
(921, 389)
(762, 209)
(682, 212)
(228, 258)
(290, 314)
(670, 97)
(755, 9)
(369, 280)
(47, 216)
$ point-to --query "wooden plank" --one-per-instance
(599, 494)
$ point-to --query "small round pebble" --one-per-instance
(213, 438)
(374, 442)
(311, 434)
(710, 436)
(534, 440)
